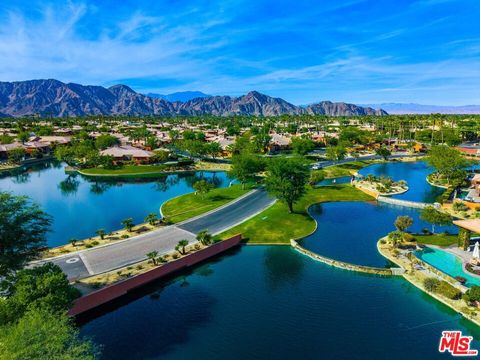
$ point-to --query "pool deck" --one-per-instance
(417, 275)
(465, 256)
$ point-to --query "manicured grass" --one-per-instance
(437, 239)
(346, 169)
(189, 205)
(276, 226)
(127, 170)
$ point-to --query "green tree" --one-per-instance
(245, 167)
(73, 242)
(202, 187)
(316, 177)
(128, 223)
(261, 141)
(6, 139)
(395, 237)
(151, 218)
(302, 146)
(106, 141)
(160, 156)
(204, 237)
(182, 244)
(101, 233)
(16, 155)
(23, 226)
(335, 153)
(152, 255)
(286, 179)
(45, 287)
(448, 161)
(431, 284)
(402, 223)
(44, 335)
(434, 217)
(383, 152)
(23, 136)
(472, 294)
(213, 149)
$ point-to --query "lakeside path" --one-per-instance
(97, 260)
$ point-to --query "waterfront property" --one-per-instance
(260, 296)
(414, 173)
(80, 206)
(448, 263)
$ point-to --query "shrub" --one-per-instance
(449, 291)
(125, 236)
(459, 206)
(88, 246)
(408, 237)
(175, 256)
(431, 284)
(95, 243)
(472, 294)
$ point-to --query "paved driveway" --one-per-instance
(125, 252)
(231, 215)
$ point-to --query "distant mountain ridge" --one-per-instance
(412, 108)
(55, 98)
(181, 96)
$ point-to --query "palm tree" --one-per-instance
(101, 233)
(73, 242)
(151, 219)
(128, 223)
(152, 255)
(181, 246)
(204, 237)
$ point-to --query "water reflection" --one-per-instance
(98, 202)
(69, 186)
(282, 267)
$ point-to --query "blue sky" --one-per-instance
(360, 51)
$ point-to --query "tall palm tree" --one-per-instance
(151, 219)
(101, 233)
(128, 223)
(204, 237)
(181, 246)
(152, 256)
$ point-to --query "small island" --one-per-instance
(382, 185)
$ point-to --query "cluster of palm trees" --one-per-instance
(204, 237)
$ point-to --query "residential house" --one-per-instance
(127, 153)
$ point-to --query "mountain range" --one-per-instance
(412, 108)
(57, 99)
(179, 96)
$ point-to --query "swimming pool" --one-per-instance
(447, 263)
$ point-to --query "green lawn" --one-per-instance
(437, 239)
(276, 226)
(189, 205)
(127, 170)
(346, 169)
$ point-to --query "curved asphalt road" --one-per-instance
(105, 258)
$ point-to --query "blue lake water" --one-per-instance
(349, 231)
(273, 303)
(257, 302)
(448, 263)
(414, 173)
(81, 206)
